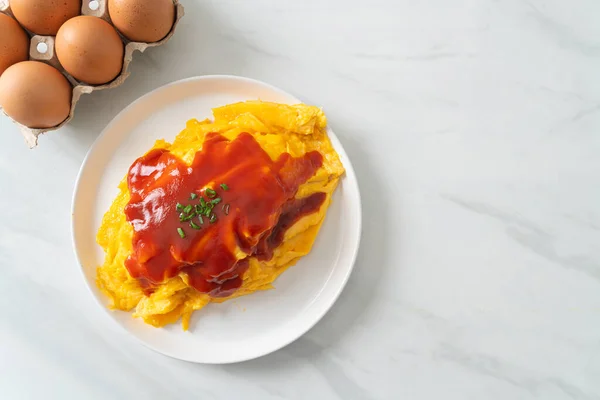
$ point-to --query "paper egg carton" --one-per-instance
(41, 48)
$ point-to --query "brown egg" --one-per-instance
(44, 17)
(142, 20)
(14, 43)
(35, 94)
(90, 49)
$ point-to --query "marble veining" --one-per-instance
(473, 126)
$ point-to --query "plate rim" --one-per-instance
(350, 175)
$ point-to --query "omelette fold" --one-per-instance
(219, 213)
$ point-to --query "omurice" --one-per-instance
(218, 213)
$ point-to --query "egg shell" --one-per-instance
(44, 17)
(14, 43)
(90, 49)
(142, 20)
(80, 88)
(35, 94)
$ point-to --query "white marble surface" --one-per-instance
(473, 126)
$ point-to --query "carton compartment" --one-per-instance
(41, 48)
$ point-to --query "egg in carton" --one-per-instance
(43, 48)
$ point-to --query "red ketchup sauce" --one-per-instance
(257, 208)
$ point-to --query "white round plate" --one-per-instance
(240, 329)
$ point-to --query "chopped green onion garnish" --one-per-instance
(203, 209)
(193, 225)
(181, 233)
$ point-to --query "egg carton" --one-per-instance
(41, 48)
